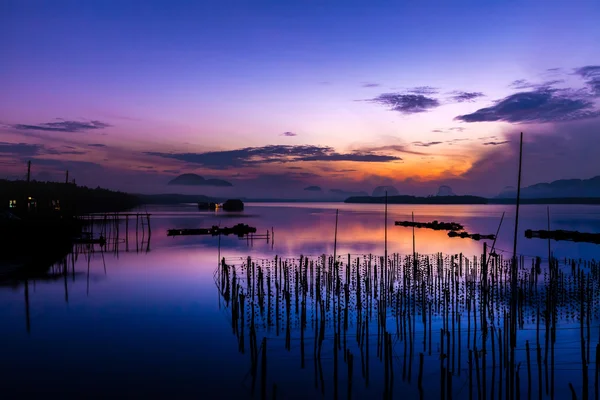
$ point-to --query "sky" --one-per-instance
(277, 96)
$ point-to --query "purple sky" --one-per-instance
(276, 96)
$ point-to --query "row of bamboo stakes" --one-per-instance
(441, 306)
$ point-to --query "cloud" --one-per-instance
(525, 84)
(79, 166)
(423, 90)
(550, 152)
(426, 144)
(591, 75)
(370, 85)
(55, 151)
(63, 126)
(398, 148)
(29, 150)
(96, 145)
(289, 134)
(460, 97)
(252, 156)
(496, 143)
(406, 103)
(541, 105)
(455, 129)
(452, 141)
(20, 149)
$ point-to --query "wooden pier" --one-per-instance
(435, 225)
(239, 230)
(474, 236)
(572, 236)
(107, 231)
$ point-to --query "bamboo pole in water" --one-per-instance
(514, 272)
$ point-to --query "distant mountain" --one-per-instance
(445, 190)
(508, 191)
(379, 191)
(313, 189)
(197, 180)
(171, 198)
(343, 193)
(564, 188)
(419, 200)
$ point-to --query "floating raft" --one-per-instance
(573, 236)
(438, 226)
(474, 236)
(239, 230)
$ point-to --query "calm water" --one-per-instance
(153, 321)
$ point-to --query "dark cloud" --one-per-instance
(294, 167)
(252, 156)
(20, 149)
(460, 97)
(398, 148)
(29, 150)
(423, 90)
(96, 145)
(520, 84)
(542, 105)
(495, 143)
(370, 85)
(63, 126)
(591, 75)
(426, 144)
(525, 84)
(172, 171)
(550, 152)
(289, 134)
(79, 166)
(60, 152)
(455, 129)
(452, 141)
(406, 103)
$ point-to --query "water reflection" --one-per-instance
(143, 311)
(60, 265)
(309, 228)
(453, 312)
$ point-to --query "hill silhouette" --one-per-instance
(564, 188)
(313, 189)
(197, 180)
